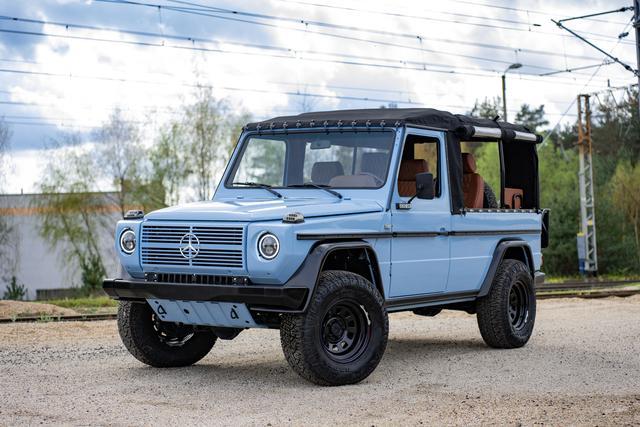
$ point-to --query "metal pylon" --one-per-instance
(585, 175)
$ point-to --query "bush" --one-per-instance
(15, 291)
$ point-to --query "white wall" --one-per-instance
(36, 264)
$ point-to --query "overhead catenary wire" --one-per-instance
(282, 49)
(419, 65)
(556, 126)
(373, 99)
(197, 8)
(532, 11)
(192, 39)
(233, 15)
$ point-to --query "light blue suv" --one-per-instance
(324, 223)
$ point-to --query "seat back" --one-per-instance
(323, 172)
(407, 175)
(375, 164)
(472, 183)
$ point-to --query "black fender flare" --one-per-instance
(498, 256)
(308, 273)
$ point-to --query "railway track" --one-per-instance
(570, 289)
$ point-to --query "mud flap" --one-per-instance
(206, 313)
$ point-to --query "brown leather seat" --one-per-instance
(472, 183)
(407, 176)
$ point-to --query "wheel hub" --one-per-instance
(345, 331)
(172, 334)
(518, 308)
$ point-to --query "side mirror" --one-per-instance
(424, 186)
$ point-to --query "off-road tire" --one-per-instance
(303, 336)
(497, 327)
(136, 328)
(489, 198)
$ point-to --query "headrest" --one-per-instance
(468, 163)
(411, 167)
(354, 181)
(322, 172)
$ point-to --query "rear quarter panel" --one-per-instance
(472, 253)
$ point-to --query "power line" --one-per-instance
(403, 15)
(536, 12)
(192, 39)
(210, 11)
(200, 7)
(259, 46)
(604, 52)
(555, 128)
(420, 67)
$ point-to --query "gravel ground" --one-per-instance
(10, 309)
(582, 366)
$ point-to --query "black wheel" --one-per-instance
(157, 343)
(342, 336)
(489, 199)
(507, 314)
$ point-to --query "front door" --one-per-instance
(420, 242)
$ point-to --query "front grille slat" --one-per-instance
(219, 246)
(201, 279)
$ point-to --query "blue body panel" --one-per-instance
(413, 256)
(423, 250)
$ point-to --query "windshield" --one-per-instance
(331, 160)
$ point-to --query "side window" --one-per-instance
(421, 154)
(263, 162)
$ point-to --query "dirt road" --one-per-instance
(582, 366)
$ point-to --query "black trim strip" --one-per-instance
(397, 304)
(344, 236)
(391, 234)
(493, 232)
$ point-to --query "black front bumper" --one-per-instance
(272, 298)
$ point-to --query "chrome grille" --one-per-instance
(218, 246)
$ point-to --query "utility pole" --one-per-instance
(587, 236)
(504, 88)
(636, 25)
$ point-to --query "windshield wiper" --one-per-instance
(320, 186)
(258, 185)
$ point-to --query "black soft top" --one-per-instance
(386, 117)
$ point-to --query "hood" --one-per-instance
(261, 210)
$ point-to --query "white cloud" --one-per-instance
(157, 76)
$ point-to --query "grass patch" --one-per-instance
(604, 278)
(84, 303)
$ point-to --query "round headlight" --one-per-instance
(128, 241)
(268, 246)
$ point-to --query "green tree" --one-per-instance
(119, 158)
(626, 183)
(207, 130)
(7, 244)
(558, 192)
(489, 108)
(72, 214)
(531, 118)
(170, 162)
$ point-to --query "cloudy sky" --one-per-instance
(65, 64)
